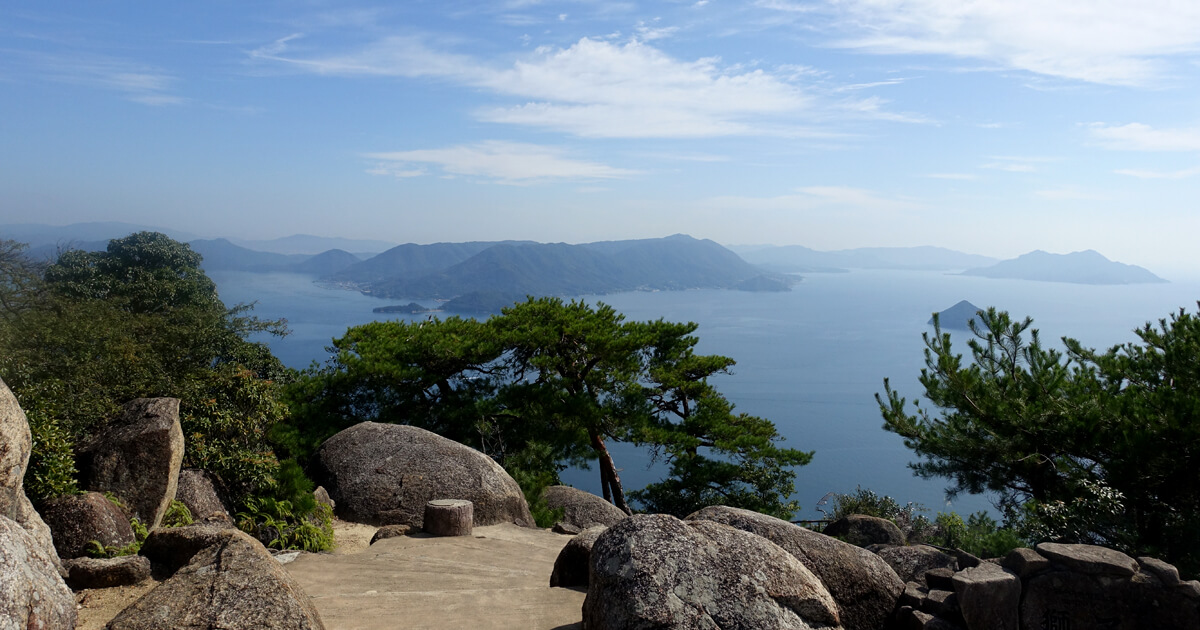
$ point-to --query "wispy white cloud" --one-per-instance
(1100, 41)
(958, 176)
(602, 88)
(1141, 137)
(1143, 174)
(136, 82)
(504, 162)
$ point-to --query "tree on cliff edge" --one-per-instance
(1081, 446)
(547, 383)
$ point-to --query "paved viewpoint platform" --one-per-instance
(498, 578)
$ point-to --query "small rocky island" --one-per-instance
(957, 317)
(410, 308)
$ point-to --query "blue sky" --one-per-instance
(990, 126)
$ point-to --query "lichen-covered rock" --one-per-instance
(169, 548)
(392, 531)
(582, 509)
(1025, 562)
(384, 474)
(106, 572)
(573, 563)
(863, 585)
(233, 584)
(195, 489)
(32, 593)
(15, 445)
(76, 520)
(1064, 598)
(655, 571)
(911, 562)
(989, 597)
(1089, 559)
(862, 530)
(137, 458)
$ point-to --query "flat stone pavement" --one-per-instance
(496, 579)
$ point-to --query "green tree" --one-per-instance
(549, 383)
(1081, 446)
(139, 320)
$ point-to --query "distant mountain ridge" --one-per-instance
(1086, 267)
(520, 268)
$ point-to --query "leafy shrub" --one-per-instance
(277, 524)
(980, 535)
(531, 473)
(51, 471)
(177, 515)
(916, 526)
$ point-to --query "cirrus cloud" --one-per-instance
(504, 162)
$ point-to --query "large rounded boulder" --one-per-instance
(384, 474)
(32, 593)
(656, 571)
(582, 509)
(863, 585)
(76, 520)
(15, 445)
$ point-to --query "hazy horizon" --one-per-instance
(993, 128)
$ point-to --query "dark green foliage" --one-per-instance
(534, 470)
(548, 383)
(177, 515)
(1082, 446)
(51, 470)
(278, 524)
(980, 535)
(140, 319)
(910, 517)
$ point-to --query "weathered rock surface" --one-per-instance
(863, 585)
(76, 520)
(573, 563)
(106, 572)
(988, 597)
(169, 548)
(32, 593)
(232, 585)
(655, 571)
(137, 458)
(15, 446)
(1025, 562)
(195, 489)
(911, 562)
(1165, 572)
(861, 530)
(384, 474)
(322, 497)
(582, 509)
(391, 531)
(1089, 559)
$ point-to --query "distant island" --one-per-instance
(1086, 267)
(410, 308)
(957, 317)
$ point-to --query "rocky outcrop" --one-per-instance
(169, 548)
(911, 562)
(656, 571)
(32, 593)
(195, 489)
(384, 474)
(582, 509)
(106, 572)
(78, 519)
(392, 531)
(571, 565)
(233, 584)
(862, 530)
(863, 585)
(1056, 586)
(15, 446)
(137, 458)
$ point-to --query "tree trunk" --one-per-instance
(609, 480)
(449, 517)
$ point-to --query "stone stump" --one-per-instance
(449, 517)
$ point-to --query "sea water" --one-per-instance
(810, 360)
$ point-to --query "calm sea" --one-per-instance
(810, 360)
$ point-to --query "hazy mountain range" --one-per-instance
(483, 275)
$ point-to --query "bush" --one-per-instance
(51, 470)
(908, 517)
(277, 524)
(980, 535)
